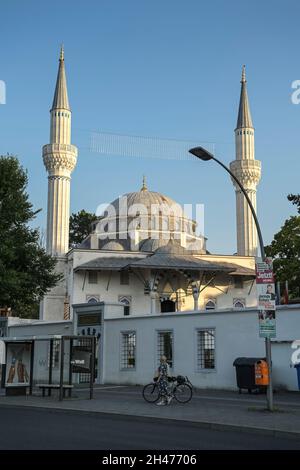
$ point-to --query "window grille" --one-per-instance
(165, 346)
(93, 278)
(128, 351)
(206, 349)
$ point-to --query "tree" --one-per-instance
(80, 226)
(27, 272)
(295, 199)
(285, 251)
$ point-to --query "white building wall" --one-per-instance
(108, 287)
(236, 336)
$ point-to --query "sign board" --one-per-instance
(18, 357)
(266, 299)
(2, 352)
(81, 360)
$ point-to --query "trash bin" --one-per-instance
(245, 373)
(297, 366)
(261, 373)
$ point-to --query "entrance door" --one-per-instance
(167, 306)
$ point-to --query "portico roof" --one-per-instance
(164, 261)
(106, 263)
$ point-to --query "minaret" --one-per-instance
(248, 171)
(59, 159)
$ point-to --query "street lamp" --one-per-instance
(205, 155)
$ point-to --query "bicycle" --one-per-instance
(180, 388)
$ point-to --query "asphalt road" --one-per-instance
(41, 429)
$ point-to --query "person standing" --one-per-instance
(163, 373)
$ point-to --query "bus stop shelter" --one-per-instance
(20, 357)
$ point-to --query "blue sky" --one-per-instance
(168, 69)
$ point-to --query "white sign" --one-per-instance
(2, 352)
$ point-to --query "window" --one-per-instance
(124, 278)
(206, 349)
(93, 278)
(210, 304)
(165, 346)
(128, 348)
(238, 283)
(92, 300)
(239, 303)
(125, 300)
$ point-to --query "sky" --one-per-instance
(166, 69)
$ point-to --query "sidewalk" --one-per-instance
(208, 408)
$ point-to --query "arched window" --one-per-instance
(210, 304)
(92, 298)
(125, 300)
(239, 303)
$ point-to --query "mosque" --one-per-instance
(143, 280)
(151, 261)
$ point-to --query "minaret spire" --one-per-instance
(60, 99)
(248, 171)
(244, 116)
(60, 160)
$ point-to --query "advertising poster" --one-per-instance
(17, 364)
(266, 299)
(81, 360)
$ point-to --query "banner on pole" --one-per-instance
(266, 298)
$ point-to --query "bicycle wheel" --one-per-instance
(183, 393)
(151, 393)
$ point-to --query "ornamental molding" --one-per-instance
(59, 157)
(59, 178)
(248, 172)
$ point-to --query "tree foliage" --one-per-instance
(295, 199)
(80, 226)
(285, 251)
(27, 272)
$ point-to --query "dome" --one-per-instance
(146, 198)
(114, 246)
(152, 244)
(143, 221)
(172, 248)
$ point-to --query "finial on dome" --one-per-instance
(144, 187)
(62, 53)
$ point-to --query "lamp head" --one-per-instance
(201, 153)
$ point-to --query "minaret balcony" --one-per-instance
(240, 165)
(59, 158)
(66, 148)
(248, 172)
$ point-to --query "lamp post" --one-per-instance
(205, 155)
